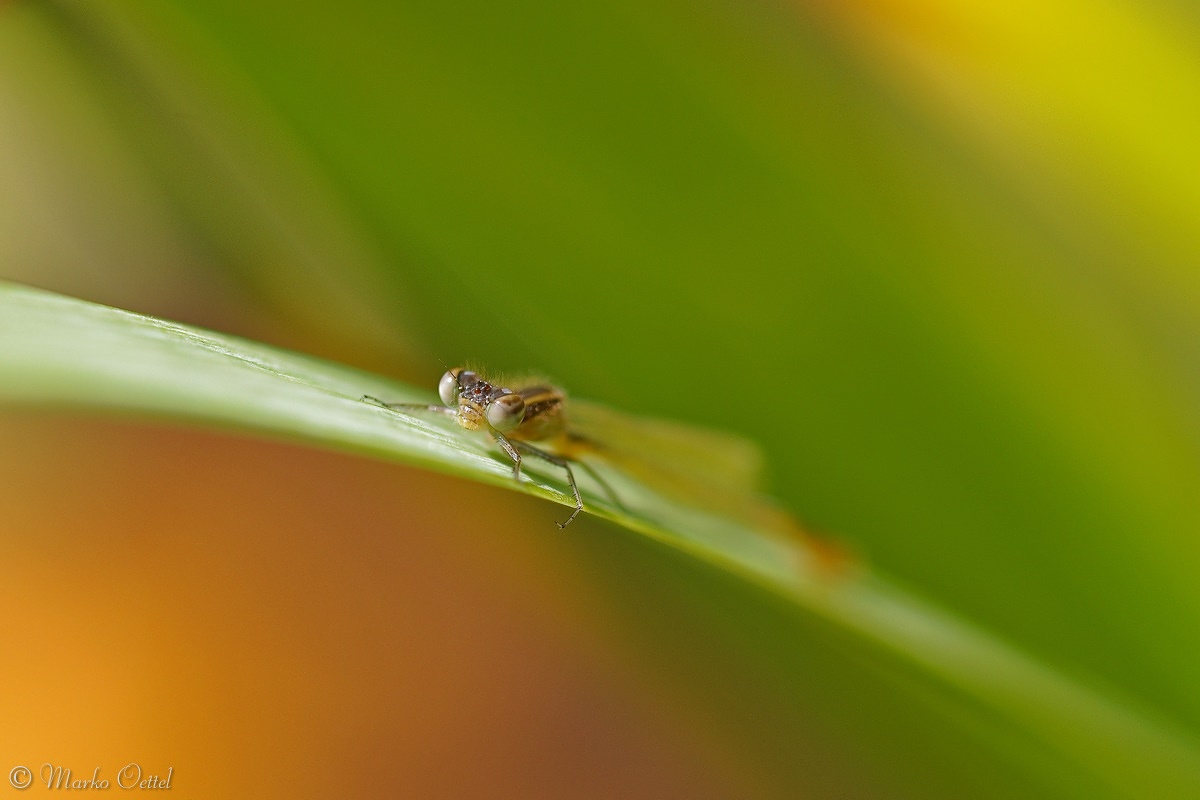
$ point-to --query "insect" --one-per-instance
(532, 412)
(695, 468)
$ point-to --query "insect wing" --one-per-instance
(711, 469)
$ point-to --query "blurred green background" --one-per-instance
(938, 258)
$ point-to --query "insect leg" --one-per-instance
(566, 465)
(406, 406)
(512, 452)
(578, 443)
(605, 485)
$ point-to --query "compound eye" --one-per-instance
(506, 412)
(448, 388)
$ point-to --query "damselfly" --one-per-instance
(712, 470)
(533, 411)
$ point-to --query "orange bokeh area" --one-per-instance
(263, 620)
